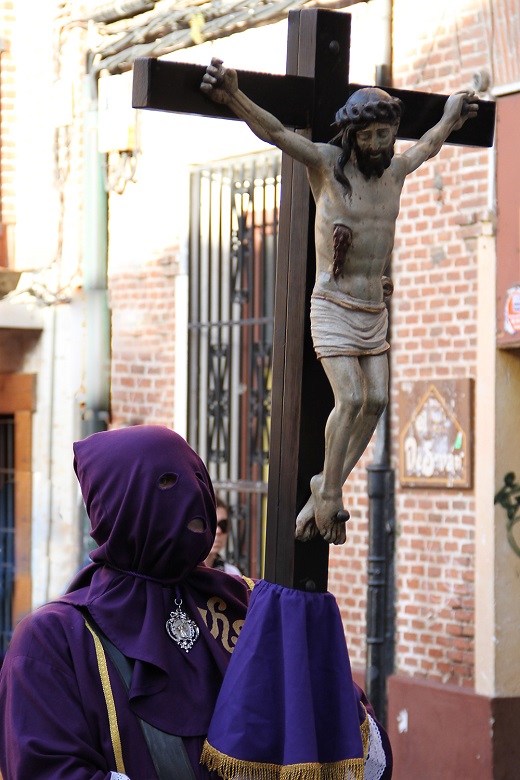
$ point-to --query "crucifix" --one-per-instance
(306, 100)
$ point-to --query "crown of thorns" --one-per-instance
(369, 104)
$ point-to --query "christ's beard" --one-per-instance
(370, 166)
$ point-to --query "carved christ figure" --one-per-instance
(356, 181)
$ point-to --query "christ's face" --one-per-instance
(374, 147)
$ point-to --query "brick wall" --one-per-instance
(434, 322)
(143, 338)
(433, 334)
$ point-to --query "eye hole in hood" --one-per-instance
(198, 525)
(167, 481)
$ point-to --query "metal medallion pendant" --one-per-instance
(182, 629)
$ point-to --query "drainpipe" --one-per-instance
(95, 257)
(380, 616)
(383, 9)
(95, 413)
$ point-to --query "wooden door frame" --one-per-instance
(18, 397)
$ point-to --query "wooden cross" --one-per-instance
(307, 98)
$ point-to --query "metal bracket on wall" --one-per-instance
(509, 498)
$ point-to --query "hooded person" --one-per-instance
(64, 710)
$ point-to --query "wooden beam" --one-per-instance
(422, 110)
(161, 85)
(318, 47)
(22, 592)
(18, 397)
(175, 86)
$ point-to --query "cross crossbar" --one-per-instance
(291, 100)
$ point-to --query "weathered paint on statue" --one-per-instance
(356, 181)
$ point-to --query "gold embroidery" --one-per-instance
(218, 623)
(237, 628)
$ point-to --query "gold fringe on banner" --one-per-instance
(235, 769)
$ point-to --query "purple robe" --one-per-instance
(54, 724)
(152, 510)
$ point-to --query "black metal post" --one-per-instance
(380, 610)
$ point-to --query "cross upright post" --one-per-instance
(318, 47)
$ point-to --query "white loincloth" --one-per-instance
(342, 325)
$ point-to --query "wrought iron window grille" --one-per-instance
(232, 265)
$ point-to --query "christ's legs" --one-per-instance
(319, 513)
(346, 379)
(375, 372)
(375, 383)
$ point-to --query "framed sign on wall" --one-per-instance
(436, 433)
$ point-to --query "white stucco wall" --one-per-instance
(49, 254)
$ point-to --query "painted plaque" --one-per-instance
(435, 433)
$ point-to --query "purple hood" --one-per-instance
(143, 488)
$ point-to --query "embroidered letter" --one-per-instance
(218, 623)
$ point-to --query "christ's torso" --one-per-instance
(370, 212)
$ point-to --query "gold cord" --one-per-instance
(109, 700)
